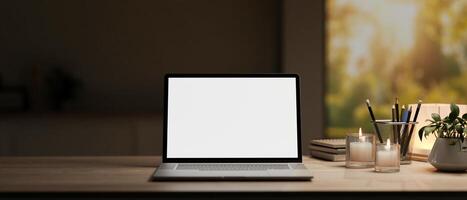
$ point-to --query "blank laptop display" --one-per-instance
(232, 117)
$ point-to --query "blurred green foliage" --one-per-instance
(371, 53)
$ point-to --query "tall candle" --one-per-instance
(361, 150)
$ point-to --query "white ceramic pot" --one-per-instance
(448, 154)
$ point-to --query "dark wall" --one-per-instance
(303, 53)
(120, 49)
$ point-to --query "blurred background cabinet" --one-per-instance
(80, 134)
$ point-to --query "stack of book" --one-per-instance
(328, 149)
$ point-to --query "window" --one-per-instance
(382, 49)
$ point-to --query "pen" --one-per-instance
(401, 119)
(405, 131)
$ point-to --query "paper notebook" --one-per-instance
(331, 143)
(327, 149)
(328, 156)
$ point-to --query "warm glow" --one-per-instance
(424, 147)
(360, 135)
(387, 147)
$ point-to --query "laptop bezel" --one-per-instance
(298, 159)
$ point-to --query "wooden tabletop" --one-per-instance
(131, 174)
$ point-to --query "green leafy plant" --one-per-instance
(451, 126)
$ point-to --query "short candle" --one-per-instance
(387, 157)
(360, 150)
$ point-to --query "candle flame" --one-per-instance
(360, 135)
(388, 144)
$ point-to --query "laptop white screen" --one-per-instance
(232, 117)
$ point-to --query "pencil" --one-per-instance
(417, 110)
(394, 130)
(406, 130)
(402, 114)
(396, 105)
(374, 121)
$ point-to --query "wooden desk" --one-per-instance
(131, 174)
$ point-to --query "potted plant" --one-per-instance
(449, 153)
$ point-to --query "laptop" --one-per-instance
(232, 127)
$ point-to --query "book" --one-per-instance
(328, 156)
(418, 157)
(327, 149)
(331, 143)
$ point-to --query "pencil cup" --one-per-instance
(360, 150)
(397, 135)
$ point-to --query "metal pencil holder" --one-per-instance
(398, 133)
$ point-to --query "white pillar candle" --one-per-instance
(361, 151)
(387, 156)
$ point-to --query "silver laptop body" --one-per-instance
(231, 127)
